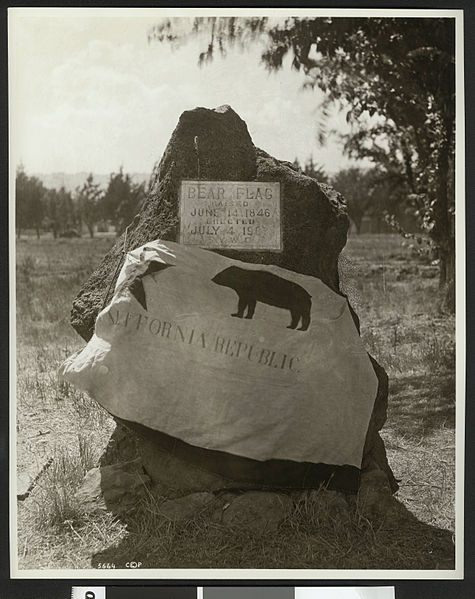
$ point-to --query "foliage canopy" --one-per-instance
(394, 77)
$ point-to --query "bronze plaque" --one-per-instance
(242, 215)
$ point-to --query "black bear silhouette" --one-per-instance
(136, 287)
(259, 285)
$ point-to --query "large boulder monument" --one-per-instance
(218, 336)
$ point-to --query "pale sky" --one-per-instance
(89, 93)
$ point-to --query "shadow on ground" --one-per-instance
(338, 544)
(320, 530)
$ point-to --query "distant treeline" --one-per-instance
(371, 197)
(89, 207)
(374, 199)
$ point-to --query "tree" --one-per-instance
(67, 212)
(29, 202)
(21, 200)
(394, 77)
(355, 185)
(369, 192)
(52, 211)
(60, 211)
(88, 199)
(122, 200)
(312, 169)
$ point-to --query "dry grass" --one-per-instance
(393, 294)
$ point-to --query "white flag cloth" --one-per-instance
(167, 353)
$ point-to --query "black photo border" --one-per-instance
(405, 589)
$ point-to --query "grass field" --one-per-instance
(394, 294)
